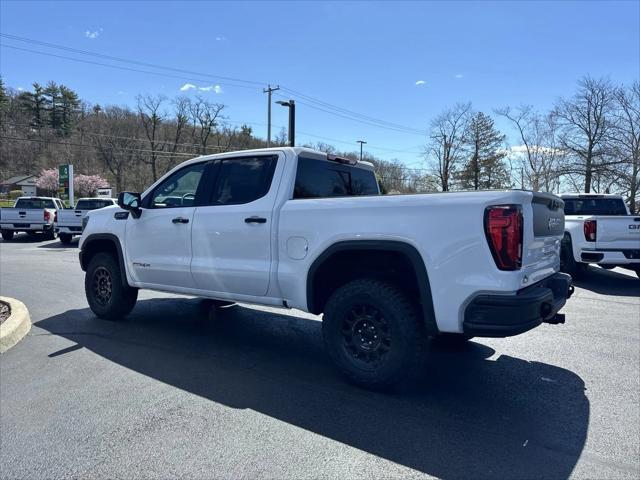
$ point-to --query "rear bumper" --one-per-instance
(611, 256)
(507, 315)
(27, 227)
(70, 230)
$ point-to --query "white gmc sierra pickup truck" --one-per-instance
(297, 228)
(31, 215)
(599, 229)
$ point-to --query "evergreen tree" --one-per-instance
(33, 105)
(69, 105)
(53, 101)
(484, 146)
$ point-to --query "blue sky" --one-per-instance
(363, 56)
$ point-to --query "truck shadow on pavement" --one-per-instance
(468, 415)
(608, 282)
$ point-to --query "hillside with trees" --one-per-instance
(588, 142)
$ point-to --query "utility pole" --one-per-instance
(291, 105)
(269, 90)
(361, 142)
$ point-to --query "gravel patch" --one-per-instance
(5, 311)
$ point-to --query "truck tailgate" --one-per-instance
(22, 216)
(619, 232)
(70, 218)
(540, 256)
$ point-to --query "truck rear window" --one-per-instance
(323, 178)
(36, 203)
(93, 204)
(594, 206)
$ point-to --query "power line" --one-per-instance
(119, 67)
(74, 144)
(156, 152)
(366, 122)
(351, 112)
(124, 60)
(310, 101)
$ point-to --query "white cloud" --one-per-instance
(120, 92)
(187, 86)
(420, 82)
(93, 35)
(217, 89)
(458, 75)
(20, 89)
(221, 39)
(535, 149)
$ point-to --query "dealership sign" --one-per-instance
(65, 182)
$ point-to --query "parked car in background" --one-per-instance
(68, 222)
(297, 228)
(33, 215)
(599, 229)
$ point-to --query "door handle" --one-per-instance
(255, 219)
(180, 220)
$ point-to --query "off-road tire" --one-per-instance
(65, 238)
(568, 264)
(381, 307)
(108, 297)
(7, 235)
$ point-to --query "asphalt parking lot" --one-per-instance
(172, 393)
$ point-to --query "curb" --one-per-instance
(16, 326)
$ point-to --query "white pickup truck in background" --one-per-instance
(600, 230)
(68, 222)
(32, 215)
(297, 228)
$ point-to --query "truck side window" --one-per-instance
(179, 190)
(243, 180)
(322, 178)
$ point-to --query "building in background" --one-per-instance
(26, 183)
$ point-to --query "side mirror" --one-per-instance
(131, 202)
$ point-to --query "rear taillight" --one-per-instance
(47, 215)
(503, 227)
(590, 228)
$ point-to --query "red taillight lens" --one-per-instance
(503, 227)
(590, 228)
(47, 215)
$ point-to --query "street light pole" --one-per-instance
(361, 142)
(269, 90)
(291, 105)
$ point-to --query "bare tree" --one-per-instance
(446, 142)
(116, 143)
(174, 135)
(586, 120)
(627, 142)
(205, 117)
(152, 118)
(540, 154)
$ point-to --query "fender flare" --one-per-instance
(408, 250)
(111, 238)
